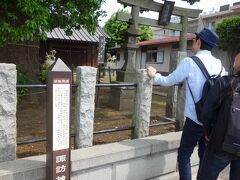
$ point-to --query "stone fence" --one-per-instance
(8, 109)
(85, 104)
(151, 158)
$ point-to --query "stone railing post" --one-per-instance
(181, 97)
(85, 105)
(142, 104)
(8, 103)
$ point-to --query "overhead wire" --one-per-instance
(200, 15)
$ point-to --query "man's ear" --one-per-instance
(199, 42)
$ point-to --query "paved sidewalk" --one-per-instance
(175, 176)
(223, 176)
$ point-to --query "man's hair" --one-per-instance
(204, 46)
(237, 51)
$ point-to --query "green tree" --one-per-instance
(114, 28)
(191, 1)
(146, 33)
(228, 30)
(22, 20)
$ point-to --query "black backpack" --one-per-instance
(210, 80)
(231, 143)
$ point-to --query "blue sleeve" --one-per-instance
(177, 76)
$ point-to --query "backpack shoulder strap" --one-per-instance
(201, 66)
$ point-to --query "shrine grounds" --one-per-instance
(31, 119)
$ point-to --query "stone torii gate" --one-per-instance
(134, 20)
(127, 73)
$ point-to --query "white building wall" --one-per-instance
(162, 67)
(141, 57)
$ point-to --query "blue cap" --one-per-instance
(208, 36)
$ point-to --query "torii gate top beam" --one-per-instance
(155, 6)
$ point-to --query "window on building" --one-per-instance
(155, 56)
(175, 46)
(160, 56)
(151, 56)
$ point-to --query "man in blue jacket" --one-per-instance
(188, 70)
(216, 115)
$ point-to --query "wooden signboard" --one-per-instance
(58, 121)
(101, 49)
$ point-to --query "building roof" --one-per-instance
(78, 35)
(169, 39)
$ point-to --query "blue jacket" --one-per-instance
(216, 111)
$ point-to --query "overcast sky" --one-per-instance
(111, 6)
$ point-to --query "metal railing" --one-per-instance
(36, 140)
(75, 85)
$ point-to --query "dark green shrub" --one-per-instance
(228, 30)
(21, 80)
(43, 73)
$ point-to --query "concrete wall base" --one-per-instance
(153, 157)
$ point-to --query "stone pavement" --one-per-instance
(174, 176)
(223, 176)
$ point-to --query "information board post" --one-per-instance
(58, 121)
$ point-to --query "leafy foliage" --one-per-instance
(21, 79)
(29, 19)
(191, 1)
(44, 73)
(114, 28)
(146, 33)
(228, 30)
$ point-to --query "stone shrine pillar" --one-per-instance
(142, 104)
(85, 106)
(8, 109)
